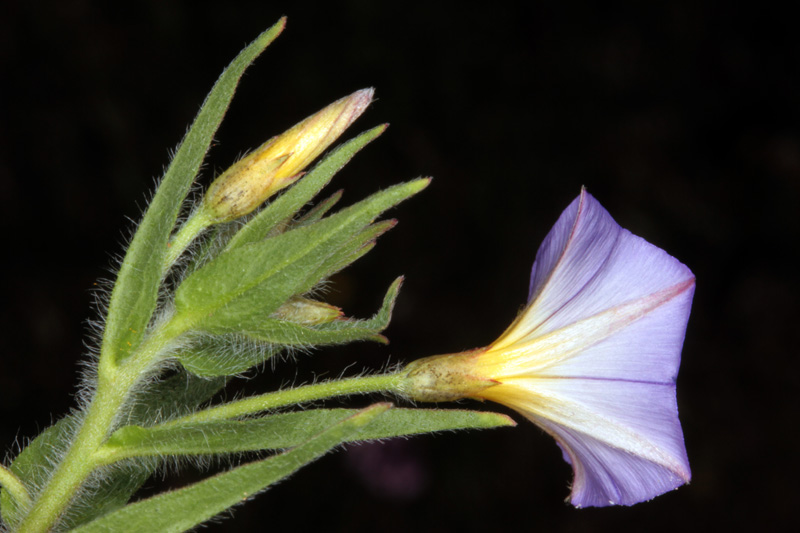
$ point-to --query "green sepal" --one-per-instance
(171, 397)
(290, 202)
(256, 279)
(281, 431)
(182, 509)
(135, 293)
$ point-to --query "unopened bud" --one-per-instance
(279, 162)
(307, 312)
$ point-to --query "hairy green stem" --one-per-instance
(197, 222)
(114, 385)
(247, 406)
(14, 487)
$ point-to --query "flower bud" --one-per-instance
(280, 161)
(307, 312)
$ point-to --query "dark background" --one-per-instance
(683, 120)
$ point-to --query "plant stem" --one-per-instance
(263, 402)
(197, 222)
(114, 385)
(14, 487)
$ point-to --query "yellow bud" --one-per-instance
(280, 161)
(307, 312)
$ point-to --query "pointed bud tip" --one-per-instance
(364, 94)
(358, 103)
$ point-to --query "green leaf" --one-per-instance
(114, 490)
(335, 332)
(174, 396)
(255, 279)
(11, 486)
(187, 507)
(291, 201)
(234, 351)
(286, 430)
(165, 399)
(34, 465)
(319, 210)
(177, 395)
(350, 251)
(135, 293)
(226, 355)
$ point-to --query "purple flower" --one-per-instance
(592, 359)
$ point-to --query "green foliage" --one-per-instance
(35, 463)
(177, 395)
(225, 355)
(286, 430)
(135, 293)
(239, 300)
(318, 211)
(254, 343)
(193, 505)
(237, 290)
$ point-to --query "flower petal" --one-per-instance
(642, 347)
(638, 340)
(594, 356)
(605, 475)
(588, 264)
(622, 438)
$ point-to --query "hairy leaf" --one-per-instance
(34, 465)
(165, 399)
(187, 507)
(254, 280)
(284, 332)
(286, 430)
(135, 293)
(226, 355)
